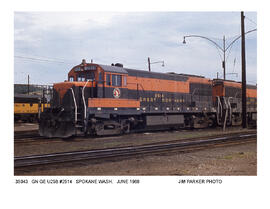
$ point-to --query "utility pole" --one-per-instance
(28, 78)
(244, 101)
(149, 64)
(224, 57)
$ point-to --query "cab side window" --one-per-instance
(108, 79)
(125, 80)
(100, 77)
(119, 80)
(116, 80)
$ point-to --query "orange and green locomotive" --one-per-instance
(110, 99)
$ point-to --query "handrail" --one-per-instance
(219, 111)
(230, 107)
(226, 114)
(74, 104)
(84, 99)
(220, 105)
(194, 91)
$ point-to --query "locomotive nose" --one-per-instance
(52, 125)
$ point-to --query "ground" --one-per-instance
(219, 161)
(233, 160)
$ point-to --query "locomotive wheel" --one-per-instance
(200, 122)
(104, 128)
(111, 127)
(125, 127)
(211, 122)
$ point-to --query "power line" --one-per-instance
(251, 20)
(42, 59)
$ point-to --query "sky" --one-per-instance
(48, 44)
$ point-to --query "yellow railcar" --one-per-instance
(27, 108)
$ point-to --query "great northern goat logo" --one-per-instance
(116, 93)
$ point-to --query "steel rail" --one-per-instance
(29, 136)
(35, 160)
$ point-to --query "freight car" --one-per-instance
(27, 108)
(110, 99)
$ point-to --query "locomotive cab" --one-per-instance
(83, 72)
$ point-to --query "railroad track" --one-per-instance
(124, 152)
(26, 135)
(23, 137)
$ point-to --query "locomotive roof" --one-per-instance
(25, 98)
(250, 86)
(158, 75)
(29, 96)
(146, 73)
(113, 69)
(143, 73)
(118, 68)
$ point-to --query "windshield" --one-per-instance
(86, 76)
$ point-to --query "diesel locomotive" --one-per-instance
(110, 99)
